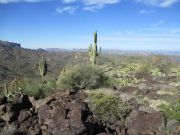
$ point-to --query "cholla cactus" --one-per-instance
(7, 93)
(43, 67)
(93, 51)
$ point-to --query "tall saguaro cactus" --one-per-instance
(93, 50)
(43, 67)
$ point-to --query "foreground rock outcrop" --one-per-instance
(58, 114)
(65, 113)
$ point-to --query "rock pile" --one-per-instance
(64, 113)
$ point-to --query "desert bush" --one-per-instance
(156, 72)
(81, 77)
(33, 89)
(143, 71)
(12, 88)
(172, 111)
(17, 84)
(108, 108)
(176, 71)
(51, 84)
(122, 75)
(37, 89)
(162, 64)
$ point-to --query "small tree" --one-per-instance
(43, 68)
(93, 51)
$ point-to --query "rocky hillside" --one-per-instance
(10, 44)
(66, 113)
(15, 60)
(18, 61)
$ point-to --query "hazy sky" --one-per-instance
(122, 24)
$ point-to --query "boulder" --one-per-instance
(62, 115)
(8, 114)
(3, 100)
(24, 115)
(143, 123)
(173, 127)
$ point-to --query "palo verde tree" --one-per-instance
(43, 67)
(93, 50)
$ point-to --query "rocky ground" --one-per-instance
(66, 113)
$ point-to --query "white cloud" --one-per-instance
(92, 5)
(69, 1)
(68, 9)
(12, 1)
(159, 3)
(100, 2)
(93, 8)
(146, 11)
(89, 5)
(167, 3)
(93, 2)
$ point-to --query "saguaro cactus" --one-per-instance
(43, 67)
(93, 51)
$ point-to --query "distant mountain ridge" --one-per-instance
(108, 51)
(7, 43)
(120, 52)
(18, 61)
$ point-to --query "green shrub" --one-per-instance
(16, 85)
(176, 71)
(51, 84)
(143, 71)
(12, 88)
(33, 89)
(81, 77)
(122, 75)
(162, 65)
(37, 89)
(172, 111)
(108, 108)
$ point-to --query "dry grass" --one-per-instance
(105, 91)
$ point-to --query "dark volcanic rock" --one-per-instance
(142, 123)
(64, 113)
(3, 100)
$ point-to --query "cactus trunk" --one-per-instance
(43, 68)
(93, 51)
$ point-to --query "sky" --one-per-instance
(121, 24)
